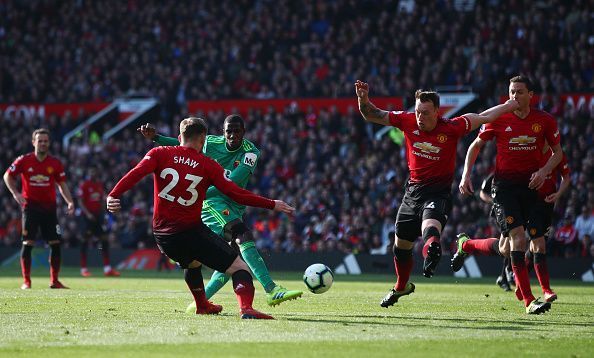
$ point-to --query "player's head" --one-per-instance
(234, 129)
(41, 140)
(426, 109)
(192, 132)
(521, 90)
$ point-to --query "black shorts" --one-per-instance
(92, 227)
(513, 205)
(418, 204)
(541, 218)
(233, 229)
(36, 220)
(200, 244)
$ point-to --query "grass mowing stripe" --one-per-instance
(143, 313)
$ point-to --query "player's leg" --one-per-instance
(243, 237)
(407, 229)
(29, 231)
(84, 246)
(104, 242)
(216, 223)
(467, 246)
(434, 215)
(50, 229)
(184, 248)
(219, 255)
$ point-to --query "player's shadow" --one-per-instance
(426, 321)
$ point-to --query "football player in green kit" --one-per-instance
(238, 156)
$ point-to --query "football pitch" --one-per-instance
(143, 314)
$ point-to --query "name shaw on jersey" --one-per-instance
(186, 161)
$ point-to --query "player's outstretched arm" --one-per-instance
(491, 114)
(150, 132)
(465, 186)
(146, 166)
(368, 110)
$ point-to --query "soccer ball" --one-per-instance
(318, 278)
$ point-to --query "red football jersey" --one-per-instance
(181, 177)
(91, 194)
(38, 180)
(431, 156)
(519, 143)
(550, 184)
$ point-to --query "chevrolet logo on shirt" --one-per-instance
(426, 147)
(39, 178)
(522, 140)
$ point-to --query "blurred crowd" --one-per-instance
(77, 50)
(346, 184)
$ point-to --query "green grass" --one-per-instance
(143, 314)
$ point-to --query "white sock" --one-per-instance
(106, 268)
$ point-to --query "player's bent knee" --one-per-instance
(404, 243)
(194, 264)
(244, 237)
(237, 265)
(402, 254)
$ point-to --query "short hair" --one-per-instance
(235, 118)
(192, 127)
(427, 96)
(522, 79)
(40, 131)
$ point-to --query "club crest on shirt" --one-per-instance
(442, 138)
(536, 127)
(225, 212)
(50, 170)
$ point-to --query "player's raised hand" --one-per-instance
(148, 131)
(362, 90)
(113, 204)
(465, 186)
(281, 206)
(552, 198)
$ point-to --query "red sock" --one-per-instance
(83, 259)
(55, 260)
(427, 243)
(480, 246)
(403, 269)
(244, 288)
(542, 271)
(521, 274)
(26, 268)
(105, 256)
(193, 278)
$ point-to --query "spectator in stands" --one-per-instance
(584, 226)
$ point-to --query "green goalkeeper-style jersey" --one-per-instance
(218, 209)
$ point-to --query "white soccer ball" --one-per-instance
(318, 278)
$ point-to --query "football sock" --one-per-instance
(244, 288)
(542, 271)
(403, 262)
(481, 246)
(252, 258)
(529, 259)
(430, 235)
(84, 246)
(26, 262)
(522, 279)
(193, 277)
(105, 252)
(217, 281)
(55, 260)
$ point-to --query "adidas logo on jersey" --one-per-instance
(416, 132)
(508, 129)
